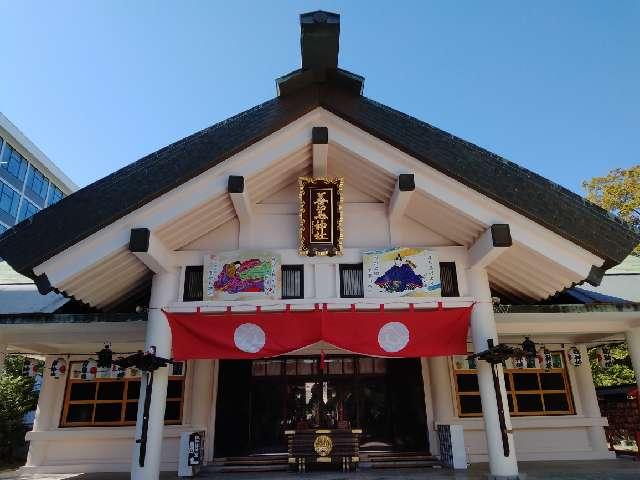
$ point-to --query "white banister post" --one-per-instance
(633, 344)
(164, 289)
(483, 328)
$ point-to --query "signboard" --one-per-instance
(196, 448)
(321, 216)
(242, 276)
(401, 272)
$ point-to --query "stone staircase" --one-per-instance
(381, 460)
(249, 464)
(278, 462)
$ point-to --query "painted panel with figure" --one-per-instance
(401, 272)
(242, 276)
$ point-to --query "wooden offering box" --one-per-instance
(339, 448)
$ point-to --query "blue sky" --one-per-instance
(550, 85)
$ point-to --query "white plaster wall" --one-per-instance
(565, 437)
(108, 449)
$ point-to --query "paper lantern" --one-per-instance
(519, 362)
(30, 367)
(58, 367)
(575, 357)
(604, 357)
(548, 359)
(88, 369)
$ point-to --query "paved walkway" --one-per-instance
(619, 469)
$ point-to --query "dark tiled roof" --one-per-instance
(86, 211)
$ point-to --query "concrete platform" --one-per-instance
(618, 469)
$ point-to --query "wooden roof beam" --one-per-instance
(150, 250)
(490, 245)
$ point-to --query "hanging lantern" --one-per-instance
(117, 371)
(58, 367)
(88, 369)
(548, 359)
(519, 362)
(30, 367)
(604, 357)
(575, 357)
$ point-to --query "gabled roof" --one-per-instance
(86, 211)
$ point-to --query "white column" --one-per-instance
(164, 289)
(589, 401)
(633, 344)
(483, 327)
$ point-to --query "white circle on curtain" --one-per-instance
(249, 337)
(393, 336)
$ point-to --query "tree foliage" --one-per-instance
(620, 373)
(17, 397)
(619, 193)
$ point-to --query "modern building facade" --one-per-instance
(29, 180)
(313, 264)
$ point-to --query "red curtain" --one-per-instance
(407, 333)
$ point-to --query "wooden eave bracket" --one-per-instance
(240, 198)
(320, 141)
(150, 250)
(399, 202)
(490, 245)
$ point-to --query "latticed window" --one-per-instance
(114, 401)
(292, 281)
(351, 281)
(531, 390)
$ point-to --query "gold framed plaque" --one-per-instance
(321, 216)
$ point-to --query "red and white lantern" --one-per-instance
(58, 368)
(88, 369)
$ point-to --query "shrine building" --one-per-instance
(325, 273)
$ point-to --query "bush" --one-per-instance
(17, 397)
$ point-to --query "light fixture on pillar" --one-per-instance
(603, 355)
(148, 362)
(105, 359)
(495, 355)
(530, 352)
(58, 368)
(575, 357)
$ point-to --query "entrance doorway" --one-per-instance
(258, 400)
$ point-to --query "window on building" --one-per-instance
(9, 200)
(530, 390)
(37, 183)
(3, 228)
(55, 195)
(114, 401)
(292, 281)
(351, 281)
(14, 163)
(27, 210)
(449, 279)
(192, 283)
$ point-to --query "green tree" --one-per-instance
(17, 397)
(619, 193)
(620, 373)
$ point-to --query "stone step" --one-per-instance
(245, 468)
(403, 464)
